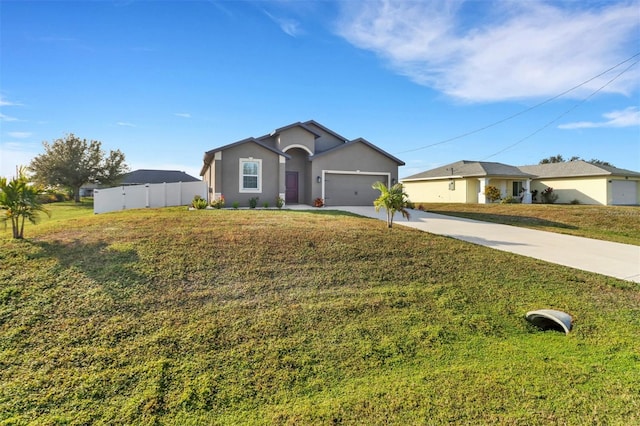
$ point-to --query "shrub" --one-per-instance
(318, 202)
(253, 202)
(219, 203)
(509, 200)
(575, 201)
(492, 193)
(265, 204)
(199, 202)
(235, 205)
(279, 202)
(548, 196)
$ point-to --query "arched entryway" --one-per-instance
(296, 186)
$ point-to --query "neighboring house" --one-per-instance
(298, 163)
(144, 176)
(464, 182)
(587, 183)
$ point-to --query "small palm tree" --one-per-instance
(393, 199)
(19, 202)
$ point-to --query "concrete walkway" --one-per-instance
(603, 257)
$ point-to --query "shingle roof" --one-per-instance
(143, 176)
(355, 141)
(575, 169)
(465, 168)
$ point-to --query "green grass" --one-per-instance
(611, 223)
(276, 317)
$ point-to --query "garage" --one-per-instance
(351, 189)
(624, 192)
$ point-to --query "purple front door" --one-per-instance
(291, 187)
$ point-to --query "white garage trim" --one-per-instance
(351, 172)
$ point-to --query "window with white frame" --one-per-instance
(250, 175)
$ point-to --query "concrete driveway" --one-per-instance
(603, 257)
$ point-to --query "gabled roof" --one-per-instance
(208, 156)
(465, 168)
(575, 169)
(290, 126)
(320, 126)
(143, 176)
(356, 141)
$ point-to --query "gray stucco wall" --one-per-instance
(272, 177)
(354, 157)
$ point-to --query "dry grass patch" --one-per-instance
(611, 223)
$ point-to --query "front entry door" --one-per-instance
(291, 187)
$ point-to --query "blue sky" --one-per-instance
(166, 81)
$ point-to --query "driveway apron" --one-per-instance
(603, 257)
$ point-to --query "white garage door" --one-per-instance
(351, 189)
(624, 192)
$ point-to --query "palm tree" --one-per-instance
(393, 199)
(19, 202)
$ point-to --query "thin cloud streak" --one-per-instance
(522, 50)
(629, 117)
(182, 114)
(7, 118)
(125, 124)
(20, 135)
(291, 27)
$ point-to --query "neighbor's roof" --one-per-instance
(575, 169)
(465, 168)
(143, 176)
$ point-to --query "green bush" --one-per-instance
(279, 202)
(548, 196)
(575, 201)
(492, 193)
(253, 202)
(199, 203)
(509, 199)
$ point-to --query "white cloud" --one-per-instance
(482, 52)
(125, 124)
(628, 117)
(20, 135)
(289, 26)
(182, 114)
(7, 118)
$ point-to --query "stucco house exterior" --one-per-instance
(465, 181)
(298, 163)
(587, 183)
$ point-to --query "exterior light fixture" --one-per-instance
(319, 179)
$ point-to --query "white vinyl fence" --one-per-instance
(149, 195)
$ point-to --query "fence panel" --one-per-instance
(149, 195)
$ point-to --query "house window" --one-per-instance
(250, 175)
(517, 189)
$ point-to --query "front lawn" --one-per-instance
(274, 317)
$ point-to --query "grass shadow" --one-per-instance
(110, 267)
(326, 212)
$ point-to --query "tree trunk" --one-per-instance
(76, 194)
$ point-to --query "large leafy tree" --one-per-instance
(19, 202)
(71, 162)
(393, 199)
(559, 159)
